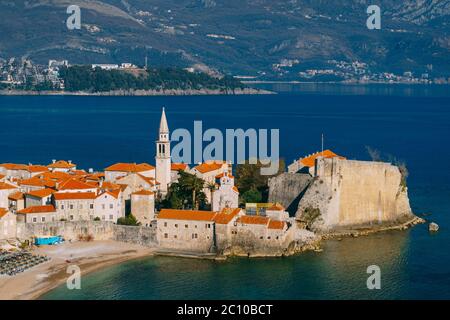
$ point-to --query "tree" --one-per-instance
(211, 186)
(186, 193)
(130, 220)
(248, 177)
(251, 196)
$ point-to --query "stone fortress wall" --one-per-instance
(346, 194)
(99, 230)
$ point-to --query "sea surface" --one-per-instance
(406, 123)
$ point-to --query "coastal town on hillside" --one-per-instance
(320, 194)
(24, 74)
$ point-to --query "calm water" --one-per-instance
(411, 125)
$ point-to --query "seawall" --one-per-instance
(99, 230)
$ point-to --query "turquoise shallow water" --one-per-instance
(95, 132)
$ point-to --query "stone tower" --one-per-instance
(163, 161)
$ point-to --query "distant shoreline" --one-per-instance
(356, 83)
(125, 93)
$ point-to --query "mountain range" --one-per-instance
(265, 39)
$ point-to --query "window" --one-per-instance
(71, 217)
(91, 206)
(111, 206)
(194, 236)
(34, 219)
(71, 207)
(268, 237)
(261, 238)
(62, 207)
(175, 236)
(166, 235)
(43, 219)
(176, 225)
(103, 217)
(103, 206)
(186, 226)
(111, 217)
(165, 225)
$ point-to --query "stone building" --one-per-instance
(208, 171)
(5, 190)
(37, 214)
(62, 166)
(75, 206)
(227, 195)
(115, 171)
(7, 224)
(40, 197)
(108, 206)
(143, 206)
(16, 201)
(307, 164)
(186, 230)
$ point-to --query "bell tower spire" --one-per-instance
(163, 158)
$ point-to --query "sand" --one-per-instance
(88, 256)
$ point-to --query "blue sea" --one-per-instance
(407, 123)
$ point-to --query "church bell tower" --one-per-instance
(163, 161)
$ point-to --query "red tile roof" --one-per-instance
(208, 167)
(226, 215)
(75, 196)
(178, 166)
(186, 215)
(62, 164)
(38, 209)
(41, 193)
(73, 184)
(6, 186)
(3, 212)
(276, 207)
(311, 160)
(143, 193)
(16, 196)
(274, 224)
(253, 220)
(130, 167)
(36, 168)
(13, 166)
(38, 182)
(220, 175)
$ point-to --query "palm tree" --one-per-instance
(192, 183)
(211, 186)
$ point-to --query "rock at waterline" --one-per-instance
(433, 227)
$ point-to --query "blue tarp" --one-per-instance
(48, 240)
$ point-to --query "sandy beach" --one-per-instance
(88, 256)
